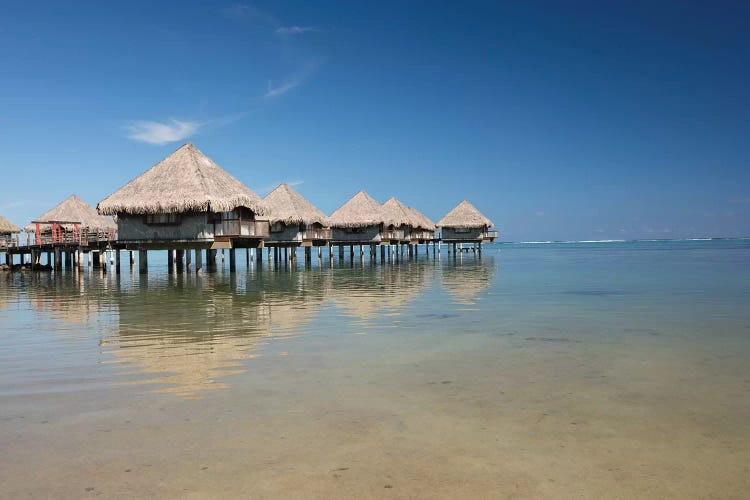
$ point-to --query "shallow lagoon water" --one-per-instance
(615, 370)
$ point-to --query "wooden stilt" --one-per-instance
(143, 261)
(232, 260)
(170, 261)
(198, 259)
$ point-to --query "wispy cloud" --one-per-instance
(292, 82)
(250, 13)
(162, 132)
(294, 30)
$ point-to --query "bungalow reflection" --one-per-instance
(188, 335)
(466, 279)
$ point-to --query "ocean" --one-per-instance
(575, 369)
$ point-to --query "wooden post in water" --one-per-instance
(188, 260)
(132, 259)
(232, 260)
(198, 259)
(341, 253)
(170, 261)
(117, 262)
(58, 259)
(180, 260)
(143, 261)
(308, 255)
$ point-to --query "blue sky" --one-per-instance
(575, 120)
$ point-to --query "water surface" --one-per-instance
(589, 370)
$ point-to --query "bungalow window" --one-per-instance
(170, 219)
(277, 227)
(355, 230)
(462, 229)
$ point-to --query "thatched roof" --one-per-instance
(464, 215)
(359, 211)
(74, 210)
(185, 181)
(286, 205)
(397, 213)
(7, 227)
(421, 220)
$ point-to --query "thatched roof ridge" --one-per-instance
(74, 210)
(464, 215)
(421, 219)
(286, 205)
(7, 227)
(185, 181)
(359, 211)
(397, 214)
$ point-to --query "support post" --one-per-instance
(232, 260)
(180, 260)
(117, 262)
(170, 261)
(143, 261)
(198, 259)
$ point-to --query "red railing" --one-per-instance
(56, 234)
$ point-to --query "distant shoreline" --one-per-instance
(620, 241)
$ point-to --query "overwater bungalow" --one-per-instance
(73, 223)
(7, 230)
(466, 224)
(400, 222)
(424, 229)
(359, 221)
(186, 201)
(294, 221)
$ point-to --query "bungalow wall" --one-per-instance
(189, 227)
(462, 234)
(289, 233)
(368, 234)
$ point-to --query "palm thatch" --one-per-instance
(464, 215)
(421, 220)
(74, 211)
(397, 213)
(361, 210)
(286, 205)
(185, 181)
(7, 227)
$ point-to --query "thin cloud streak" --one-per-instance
(152, 132)
(294, 30)
(291, 83)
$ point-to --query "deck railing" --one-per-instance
(317, 233)
(393, 234)
(246, 228)
(83, 237)
(422, 235)
(491, 234)
(8, 241)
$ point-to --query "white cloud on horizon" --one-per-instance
(153, 132)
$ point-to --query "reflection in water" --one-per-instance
(467, 279)
(184, 334)
(375, 291)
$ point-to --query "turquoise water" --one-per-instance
(574, 369)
